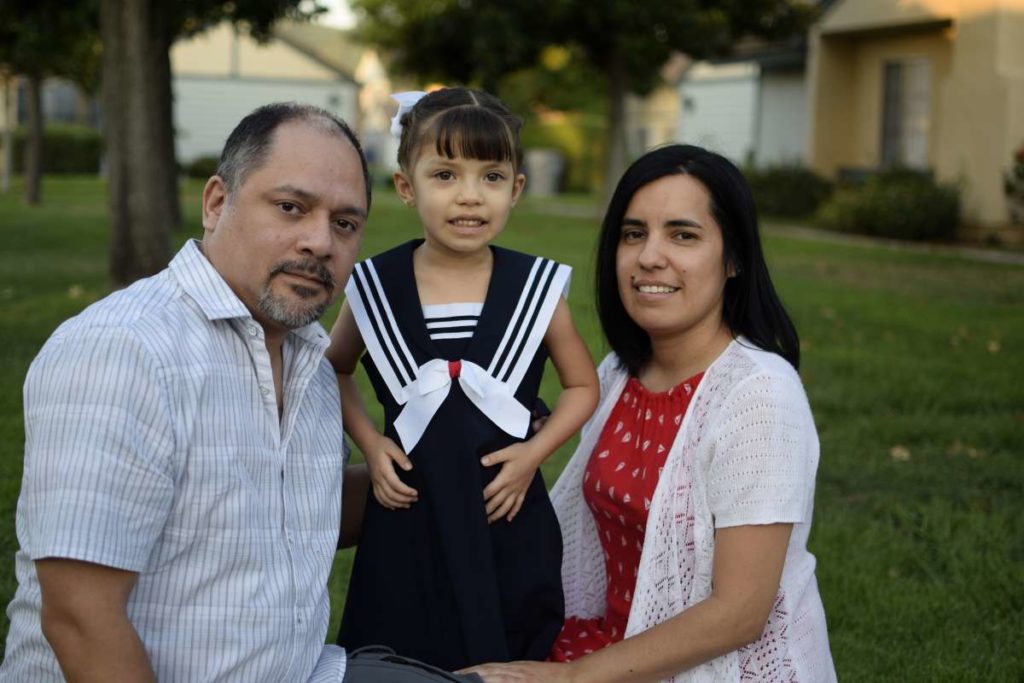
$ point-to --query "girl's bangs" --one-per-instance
(474, 133)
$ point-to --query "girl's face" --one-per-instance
(669, 262)
(463, 203)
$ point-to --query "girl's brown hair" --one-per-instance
(461, 122)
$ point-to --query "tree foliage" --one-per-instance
(624, 42)
(39, 39)
(51, 38)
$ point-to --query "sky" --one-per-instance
(338, 14)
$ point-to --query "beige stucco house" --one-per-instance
(931, 84)
(222, 74)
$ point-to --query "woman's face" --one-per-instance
(670, 266)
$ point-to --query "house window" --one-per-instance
(906, 112)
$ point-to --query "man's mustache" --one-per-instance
(311, 268)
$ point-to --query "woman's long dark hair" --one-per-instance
(751, 307)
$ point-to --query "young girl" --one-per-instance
(460, 552)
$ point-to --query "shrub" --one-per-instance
(899, 204)
(1013, 186)
(577, 137)
(67, 148)
(202, 167)
(788, 191)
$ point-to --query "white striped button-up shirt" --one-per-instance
(153, 444)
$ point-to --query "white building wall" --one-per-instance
(206, 109)
(782, 133)
(719, 108)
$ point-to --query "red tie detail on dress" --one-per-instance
(454, 368)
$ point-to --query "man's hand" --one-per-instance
(388, 489)
(84, 618)
(504, 496)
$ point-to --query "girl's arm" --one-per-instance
(748, 565)
(571, 358)
(379, 451)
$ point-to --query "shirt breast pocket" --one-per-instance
(314, 471)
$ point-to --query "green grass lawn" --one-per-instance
(915, 371)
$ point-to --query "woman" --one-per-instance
(686, 508)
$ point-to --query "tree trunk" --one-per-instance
(615, 159)
(34, 140)
(163, 92)
(8, 116)
(138, 197)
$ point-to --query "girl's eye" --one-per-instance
(444, 175)
(494, 177)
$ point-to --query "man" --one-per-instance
(180, 504)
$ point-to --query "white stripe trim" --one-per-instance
(451, 323)
(559, 287)
(523, 331)
(386, 365)
(391, 317)
(515, 316)
(452, 335)
(453, 310)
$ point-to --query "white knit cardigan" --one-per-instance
(746, 453)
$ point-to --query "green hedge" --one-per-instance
(67, 148)
(900, 204)
(787, 191)
(580, 139)
(202, 167)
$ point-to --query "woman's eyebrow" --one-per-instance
(683, 223)
(673, 223)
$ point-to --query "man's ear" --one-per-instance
(517, 187)
(403, 186)
(215, 197)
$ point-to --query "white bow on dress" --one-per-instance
(431, 387)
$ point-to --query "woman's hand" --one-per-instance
(504, 496)
(523, 672)
(388, 489)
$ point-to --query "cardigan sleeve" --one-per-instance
(765, 454)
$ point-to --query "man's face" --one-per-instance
(286, 239)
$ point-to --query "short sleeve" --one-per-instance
(765, 455)
(97, 483)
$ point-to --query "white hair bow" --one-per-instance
(406, 101)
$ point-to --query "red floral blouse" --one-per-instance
(618, 486)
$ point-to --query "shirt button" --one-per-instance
(254, 331)
(264, 390)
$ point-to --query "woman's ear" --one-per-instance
(403, 186)
(731, 268)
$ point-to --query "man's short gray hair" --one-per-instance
(249, 143)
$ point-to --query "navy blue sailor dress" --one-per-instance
(435, 581)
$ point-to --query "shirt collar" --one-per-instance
(204, 285)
